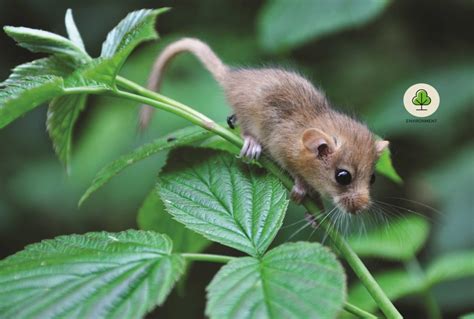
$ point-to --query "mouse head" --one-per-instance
(342, 164)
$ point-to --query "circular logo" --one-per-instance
(421, 100)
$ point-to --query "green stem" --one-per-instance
(414, 268)
(357, 311)
(208, 257)
(158, 101)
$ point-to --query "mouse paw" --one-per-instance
(298, 192)
(251, 149)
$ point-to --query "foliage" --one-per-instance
(100, 275)
(284, 283)
(215, 195)
(209, 193)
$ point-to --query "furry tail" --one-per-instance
(201, 50)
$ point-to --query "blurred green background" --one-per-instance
(364, 54)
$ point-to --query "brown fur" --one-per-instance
(276, 107)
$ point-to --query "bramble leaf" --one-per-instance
(52, 65)
(184, 136)
(136, 27)
(223, 199)
(153, 216)
(72, 31)
(294, 280)
(47, 42)
(96, 275)
(63, 112)
(25, 94)
(390, 241)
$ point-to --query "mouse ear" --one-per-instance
(318, 142)
(381, 146)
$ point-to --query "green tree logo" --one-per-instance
(421, 98)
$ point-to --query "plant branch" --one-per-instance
(158, 101)
(208, 257)
(357, 311)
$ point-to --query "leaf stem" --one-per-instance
(353, 309)
(158, 101)
(208, 257)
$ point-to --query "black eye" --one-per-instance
(343, 177)
(372, 179)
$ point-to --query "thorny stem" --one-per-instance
(161, 102)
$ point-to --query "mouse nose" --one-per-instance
(357, 203)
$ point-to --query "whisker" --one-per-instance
(418, 203)
(404, 208)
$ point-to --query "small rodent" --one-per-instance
(283, 114)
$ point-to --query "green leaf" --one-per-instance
(451, 267)
(47, 42)
(385, 167)
(136, 27)
(421, 98)
(153, 216)
(96, 275)
(63, 112)
(227, 201)
(295, 280)
(288, 24)
(396, 284)
(25, 94)
(72, 31)
(467, 316)
(184, 136)
(46, 66)
(390, 241)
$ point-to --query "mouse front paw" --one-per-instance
(298, 192)
(251, 149)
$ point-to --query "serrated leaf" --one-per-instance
(295, 280)
(153, 216)
(96, 275)
(184, 136)
(47, 42)
(42, 67)
(385, 167)
(451, 267)
(400, 240)
(225, 200)
(136, 27)
(72, 31)
(62, 114)
(396, 284)
(25, 94)
(287, 24)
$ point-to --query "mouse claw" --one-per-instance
(298, 192)
(251, 149)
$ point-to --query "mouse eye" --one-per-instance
(372, 179)
(343, 177)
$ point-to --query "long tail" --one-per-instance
(201, 50)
